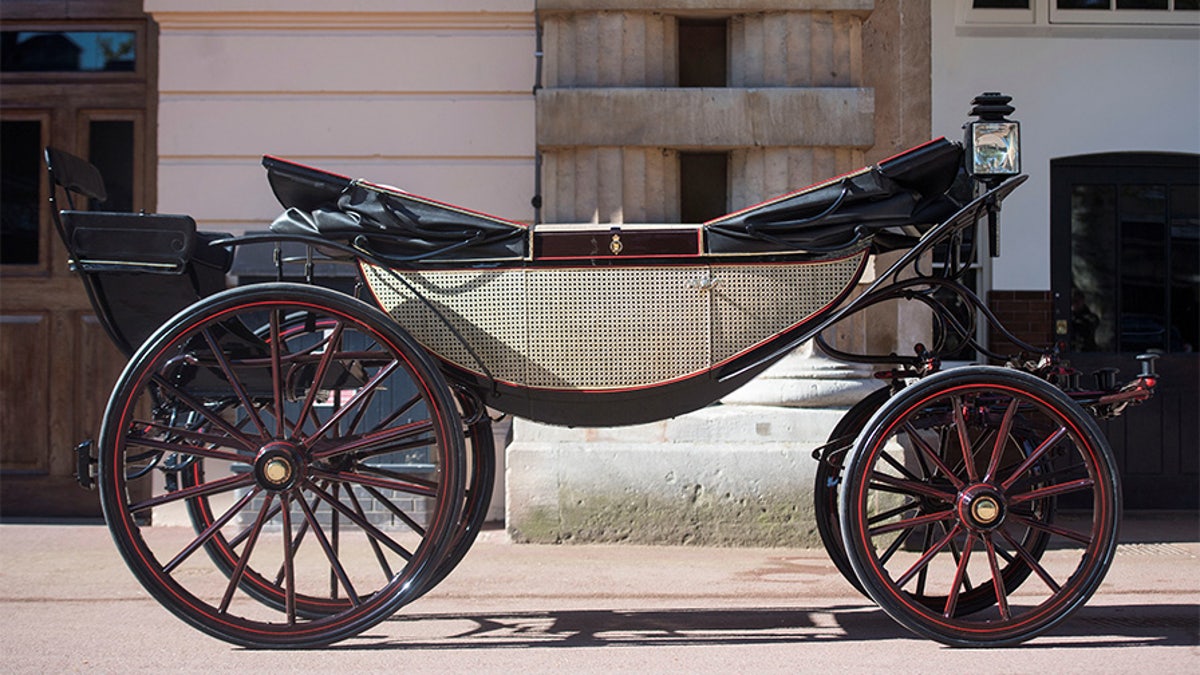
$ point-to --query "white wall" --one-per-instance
(434, 97)
(1080, 92)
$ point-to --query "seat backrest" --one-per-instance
(75, 175)
(138, 269)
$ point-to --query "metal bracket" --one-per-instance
(85, 465)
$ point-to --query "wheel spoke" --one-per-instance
(362, 523)
(335, 540)
(1001, 440)
(199, 407)
(186, 433)
(880, 481)
(378, 443)
(884, 515)
(289, 562)
(913, 522)
(297, 541)
(379, 556)
(923, 575)
(355, 400)
(396, 510)
(1029, 560)
(956, 555)
(1051, 490)
(895, 545)
(402, 476)
(398, 483)
(960, 578)
(276, 346)
(209, 531)
(363, 407)
(900, 468)
(371, 450)
(186, 449)
(964, 440)
(1056, 475)
(234, 382)
(997, 579)
(932, 455)
(1054, 529)
(1034, 456)
(395, 414)
(237, 539)
(202, 490)
(235, 578)
(927, 556)
(331, 345)
(334, 563)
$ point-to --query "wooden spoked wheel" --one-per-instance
(322, 468)
(953, 492)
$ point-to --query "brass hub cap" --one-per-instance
(985, 510)
(981, 507)
(277, 471)
(277, 466)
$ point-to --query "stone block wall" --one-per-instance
(611, 118)
(801, 104)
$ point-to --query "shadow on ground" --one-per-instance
(1104, 626)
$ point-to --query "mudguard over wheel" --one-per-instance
(953, 492)
(323, 467)
(828, 480)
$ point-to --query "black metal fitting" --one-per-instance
(85, 465)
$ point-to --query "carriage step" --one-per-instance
(85, 465)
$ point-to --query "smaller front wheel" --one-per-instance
(954, 491)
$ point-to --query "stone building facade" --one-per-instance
(449, 98)
(638, 104)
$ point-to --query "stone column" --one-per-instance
(806, 378)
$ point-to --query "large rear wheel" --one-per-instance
(323, 469)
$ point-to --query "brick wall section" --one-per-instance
(1026, 314)
(420, 509)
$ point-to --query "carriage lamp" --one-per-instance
(993, 142)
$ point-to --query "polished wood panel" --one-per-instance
(58, 365)
(24, 368)
(617, 242)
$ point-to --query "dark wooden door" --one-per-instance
(1126, 279)
(87, 87)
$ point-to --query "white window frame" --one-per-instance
(1137, 17)
(1045, 13)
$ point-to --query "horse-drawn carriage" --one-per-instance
(333, 451)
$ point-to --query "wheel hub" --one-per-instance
(981, 507)
(278, 466)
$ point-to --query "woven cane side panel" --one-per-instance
(486, 307)
(752, 303)
(605, 328)
(615, 328)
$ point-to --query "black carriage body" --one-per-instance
(616, 324)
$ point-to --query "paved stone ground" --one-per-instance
(68, 604)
